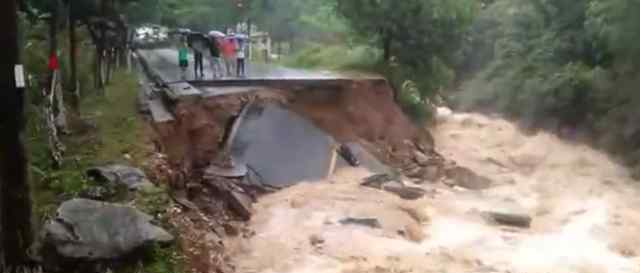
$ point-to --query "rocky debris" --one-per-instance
(405, 192)
(421, 158)
(466, 178)
(236, 171)
(241, 203)
(392, 183)
(90, 230)
(345, 152)
(231, 229)
(116, 174)
(509, 219)
(98, 193)
(367, 222)
(378, 180)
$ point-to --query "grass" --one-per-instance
(108, 130)
(362, 58)
(118, 132)
(335, 57)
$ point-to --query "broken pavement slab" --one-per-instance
(281, 146)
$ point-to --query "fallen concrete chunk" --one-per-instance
(132, 178)
(281, 146)
(90, 230)
(509, 219)
(238, 170)
(368, 222)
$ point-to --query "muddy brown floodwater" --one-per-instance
(584, 209)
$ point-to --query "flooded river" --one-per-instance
(585, 211)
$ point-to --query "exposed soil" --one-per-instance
(358, 111)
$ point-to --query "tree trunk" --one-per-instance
(15, 202)
(73, 51)
(53, 107)
(386, 45)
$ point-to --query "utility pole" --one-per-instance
(15, 199)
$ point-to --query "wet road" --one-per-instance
(165, 63)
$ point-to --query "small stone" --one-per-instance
(231, 229)
(420, 158)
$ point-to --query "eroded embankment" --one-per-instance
(359, 111)
(356, 111)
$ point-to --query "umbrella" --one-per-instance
(217, 34)
(240, 36)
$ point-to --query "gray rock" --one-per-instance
(509, 219)
(367, 222)
(405, 192)
(90, 230)
(99, 193)
(132, 178)
(393, 184)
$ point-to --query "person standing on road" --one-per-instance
(183, 59)
(216, 62)
(198, 64)
(228, 52)
(240, 56)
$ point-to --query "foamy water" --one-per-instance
(584, 208)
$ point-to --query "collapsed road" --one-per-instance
(381, 197)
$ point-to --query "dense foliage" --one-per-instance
(559, 64)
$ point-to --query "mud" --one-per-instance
(358, 111)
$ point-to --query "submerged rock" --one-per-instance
(367, 222)
(468, 179)
(90, 230)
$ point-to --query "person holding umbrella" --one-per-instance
(215, 38)
(229, 54)
(241, 41)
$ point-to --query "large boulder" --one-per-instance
(90, 230)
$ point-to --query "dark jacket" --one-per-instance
(214, 48)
